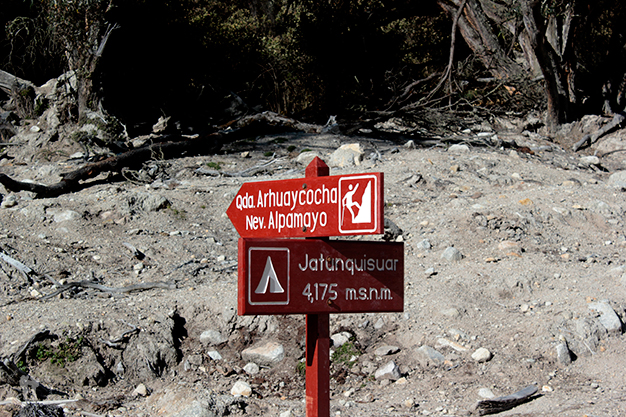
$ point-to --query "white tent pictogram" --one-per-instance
(269, 277)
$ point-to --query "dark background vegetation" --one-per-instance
(205, 62)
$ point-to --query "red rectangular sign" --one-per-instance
(314, 276)
(310, 207)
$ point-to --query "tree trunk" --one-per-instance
(477, 31)
(551, 49)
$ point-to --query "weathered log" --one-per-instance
(9, 81)
(71, 181)
(499, 404)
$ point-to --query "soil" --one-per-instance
(541, 233)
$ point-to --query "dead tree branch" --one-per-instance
(618, 118)
(113, 290)
(497, 405)
(132, 159)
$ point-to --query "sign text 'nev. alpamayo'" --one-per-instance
(310, 207)
(293, 276)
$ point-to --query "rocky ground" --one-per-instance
(533, 293)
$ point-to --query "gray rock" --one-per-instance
(618, 179)
(589, 160)
(392, 231)
(147, 202)
(388, 371)
(586, 337)
(386, 350)
(379, 324)
(452, 254)
(151, 354)
(9, 201)
(195, 409)
(66, 215)
(305, 158)
(424, 245)
(563, 354)
(409, 145)
(268, 354)
(451, 312)
(346, 156)
(608, 318)
(430, 356)
(459, 148)
(212, 337)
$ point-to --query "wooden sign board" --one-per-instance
(313, 276)
(310, 207)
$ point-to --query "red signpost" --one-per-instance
(310, 207)
(315, 277)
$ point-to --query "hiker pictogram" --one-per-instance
(358, 205)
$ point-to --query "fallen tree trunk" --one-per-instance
(9, 81)
(500, 404)
(132, 159)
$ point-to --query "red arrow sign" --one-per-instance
(312, 276)
(310, 207)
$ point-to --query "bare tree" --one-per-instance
(81, 27)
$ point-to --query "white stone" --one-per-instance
(141, 390)
(486, 393)
(481, 355)
(305, 158)
(388, 371)
(340, 339)
(215, 355)
(251, 368)
(268, 354)
(458, 148)
(347, 155)
(241, 389)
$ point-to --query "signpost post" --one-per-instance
(315, 276)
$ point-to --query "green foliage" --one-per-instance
(65, 352)
(301, 368)
(180, 214)
(291, 148)
(22, 366)
(214, 165)
(344, 354)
